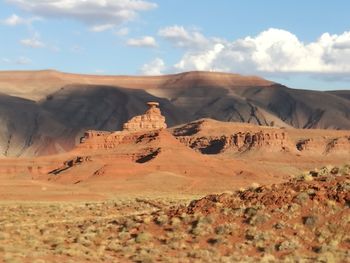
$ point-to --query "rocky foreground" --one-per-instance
(306, 219)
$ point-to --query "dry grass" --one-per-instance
(164, 230)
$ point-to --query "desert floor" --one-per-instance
(306, 219)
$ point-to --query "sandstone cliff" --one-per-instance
(141, 124)
(213, 137)
(46, 112)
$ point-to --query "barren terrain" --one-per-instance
(217, 169)
(200, 157)
(305, 219)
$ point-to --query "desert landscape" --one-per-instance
(258, 188)
(149, 131)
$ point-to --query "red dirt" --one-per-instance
(156, 162)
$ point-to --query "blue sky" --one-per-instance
(302, 44)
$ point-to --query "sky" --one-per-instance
(301, 44)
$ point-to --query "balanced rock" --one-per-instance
(151, 120)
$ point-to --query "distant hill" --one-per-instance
(345, 94)
(45, 112)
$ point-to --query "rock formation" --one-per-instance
(239, 142)
(325, 145)
(44, 112)
(151, 120)
(212, 137)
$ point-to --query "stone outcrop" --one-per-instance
(212, 137)
(325, 145)
(151, 120)
(271, 141)
(239, 142)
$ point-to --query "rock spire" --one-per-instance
(151, 120)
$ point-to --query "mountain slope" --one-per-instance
(345, 94)
(45, 112)
(36, 85)
(301, 108)
(25, 125)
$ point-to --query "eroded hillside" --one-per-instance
(47, 112)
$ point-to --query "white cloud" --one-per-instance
(199, 60)
(15, 20)
(91, 12)
(146, 41)
(101, 28)
(155, 67)
(184, 38)
(273, 51)
(33, 42)
(18, 61)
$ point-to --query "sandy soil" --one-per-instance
(303, 220)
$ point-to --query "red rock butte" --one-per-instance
(151, 120)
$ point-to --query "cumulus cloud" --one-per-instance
(200, 60)
(15, 20)
(146, 41)
(153, 68)
(273, 51)
(91, 12)
(185, 38)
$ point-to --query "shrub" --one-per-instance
(287, 245)
(114, 246)
(225, 229)
(258, 219)
(334, 170)
(201, 229)
(279, 225)
(305, 176)
(162, 220)
(186, 218)
(123, 235)
(309, 220)
(251, 234)
(250, 211)
(324, 171)
(301, 198)
(129, 223)
(345, 170)
(146, 219)
(143, 258)
(143, 237)
(175, 221)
